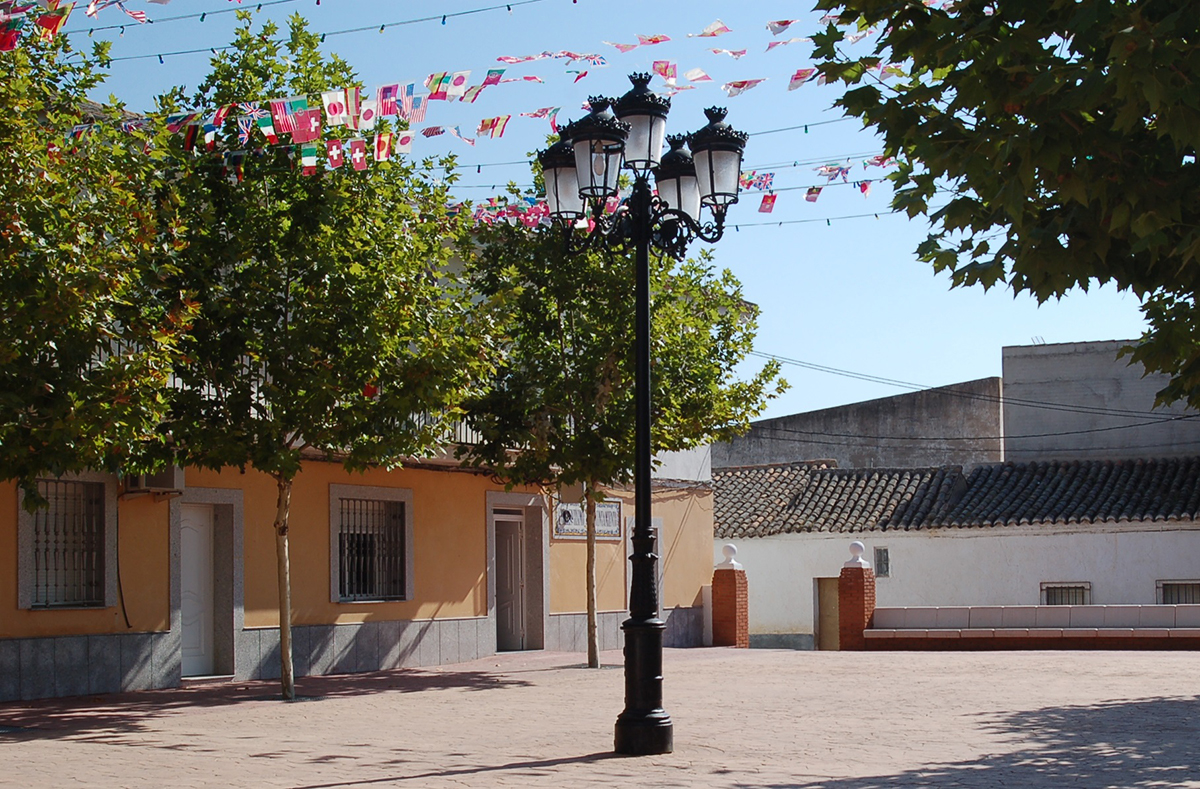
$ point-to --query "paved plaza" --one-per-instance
(763, 719)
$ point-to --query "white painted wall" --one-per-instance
(1123, 563)
(693, 465)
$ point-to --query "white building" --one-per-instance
(1093, 531)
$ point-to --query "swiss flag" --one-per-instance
(308, 126)
(333, 149)
(358, 153)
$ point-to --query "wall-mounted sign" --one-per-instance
(570, 521)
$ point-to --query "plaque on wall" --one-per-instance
(570, 521)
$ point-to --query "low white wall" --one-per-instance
(1001, 566)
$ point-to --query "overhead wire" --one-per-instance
(201, 15)
(953, 392)
(509, 6)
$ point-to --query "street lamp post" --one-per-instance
(581, 174)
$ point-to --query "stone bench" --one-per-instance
(1036, 626)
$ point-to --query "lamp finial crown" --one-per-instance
(640, 79)
(716, 114)
(599, 103)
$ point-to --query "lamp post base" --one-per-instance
(644, 728)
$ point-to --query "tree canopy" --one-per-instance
(88, 241)
(332, 317)
(1052, 144)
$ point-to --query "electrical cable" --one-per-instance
(381, 27)
(198, 15)
(1094, 411)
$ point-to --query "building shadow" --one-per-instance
(122, 713)
(1140, 743)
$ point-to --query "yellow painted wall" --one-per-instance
(686, 543)
(568, 569)
(144, 545)
(449, 543)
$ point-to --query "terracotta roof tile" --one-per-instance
(759, 501)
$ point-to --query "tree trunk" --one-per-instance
(593, 634)
(287, 676)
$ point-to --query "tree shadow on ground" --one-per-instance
(517, 767)
(1139, 743)
(130, 712)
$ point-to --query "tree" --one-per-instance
(88, 327)
(328, 324)
(560, 410)
(1052, 144)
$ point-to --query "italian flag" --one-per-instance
(308, 159)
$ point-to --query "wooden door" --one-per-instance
(827, 613)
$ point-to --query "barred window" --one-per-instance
(1178, 592)
(883, 563)
(1067, 593)
(68, 545)
(372, 550)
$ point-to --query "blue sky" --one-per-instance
(846, 294)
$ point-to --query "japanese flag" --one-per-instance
(404, 141)
(368, 113)
(458, 83)
(335, 107)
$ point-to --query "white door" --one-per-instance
(196, 587)
(510, 582)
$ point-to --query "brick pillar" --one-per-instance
(856, 601)
(730, 608)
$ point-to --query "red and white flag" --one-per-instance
(733, 53)
(458, 84)
(712, 31)
(358, 153)
(812, 194)
(308, 125)
(800, 77)
(768, 204)
(368, 113)
(404, 141)
(740, 86)
(334, 154)
(665, 69)
(334, 102)
(697, 75)
(780, 25)
(650, 40)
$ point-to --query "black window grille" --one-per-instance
(1066, 594)
(372, 550)
(1180, 592)
(68, 545)
(883, 563)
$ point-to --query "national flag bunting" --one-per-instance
(358, 153)
(334, 154)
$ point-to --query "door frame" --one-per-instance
(228, 576)
(537, 580)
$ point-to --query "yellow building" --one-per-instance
(114, 589)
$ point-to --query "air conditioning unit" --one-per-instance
(168, 482)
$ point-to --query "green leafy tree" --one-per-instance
(88, 328)
(1052, 144)
(560, 411)
(331, 324)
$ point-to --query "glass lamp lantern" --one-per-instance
(562, 181)
(675, 177)
(717, 150)
(599, 142)
(646, 113)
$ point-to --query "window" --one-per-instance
(1067, 593)
(1178, 592)
(68, 548)
(883, 563)
(371, 544)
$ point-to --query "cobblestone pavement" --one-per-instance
(763, 719)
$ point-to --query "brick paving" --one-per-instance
(743, 718)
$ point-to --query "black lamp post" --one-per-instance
(581, 173)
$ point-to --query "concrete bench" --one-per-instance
(1044, 624)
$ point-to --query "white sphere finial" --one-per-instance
(730, 563)
(857, 549)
